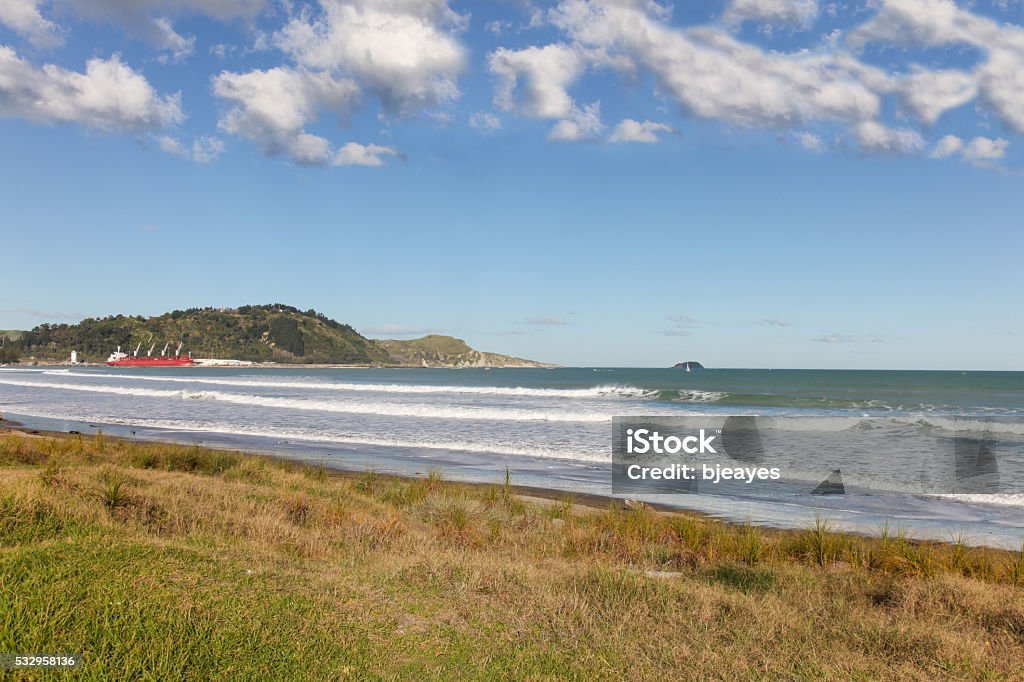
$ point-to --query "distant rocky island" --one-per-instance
(274, 333)
(689, 365)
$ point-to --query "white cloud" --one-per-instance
(774, 322)
(150, 20)
(109, 96)
(980, 151)
(927, 94)
(485, 121)
(355, 154)
(23, 16)
(205, 149)
(129, 10)
(800, 12)
(921, 23)
(708, 72)
(939, 23)
(307, 149)
(222, 50)
(541, 74)
(681, 325)
(403, 50)
(847, 338)
(546, 321)
(583, 123)
(947, 146)
(872, 136)
(712, 74)
(629, 130)
(272, 108)
(165, 38)
(984, 149)
(497, 27)
(811, 142)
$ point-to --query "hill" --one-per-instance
(256, 333)
(435, 350)
(11, 334)
(261, 333)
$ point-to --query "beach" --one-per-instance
(552, 429)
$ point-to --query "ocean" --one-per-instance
(552, 428)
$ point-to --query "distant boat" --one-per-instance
(689, 366)
(119, 359)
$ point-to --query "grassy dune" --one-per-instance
(168, 562)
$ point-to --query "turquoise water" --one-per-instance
(553, 427)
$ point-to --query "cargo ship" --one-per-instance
(119, 359)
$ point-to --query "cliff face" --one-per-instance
(446, 351)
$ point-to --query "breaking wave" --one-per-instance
(358, 439)
(591, 392)
(347, 407)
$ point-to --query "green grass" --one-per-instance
(161, 562)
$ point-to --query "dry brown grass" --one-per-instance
(427, 578)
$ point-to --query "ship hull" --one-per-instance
(170, 361)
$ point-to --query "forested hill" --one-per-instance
(261, 333)
(258, 333)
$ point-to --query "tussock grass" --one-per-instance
(1015, 567)
(820, 542)
(52, 473)
(749, 540)
(163, 562)
(112, 490)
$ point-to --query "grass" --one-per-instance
(159, 561)
(112, 492)
(820, 541)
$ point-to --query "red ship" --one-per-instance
(119, 359)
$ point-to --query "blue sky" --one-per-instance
(766, 183)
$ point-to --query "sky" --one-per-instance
(748, 183)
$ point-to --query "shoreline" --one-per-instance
(925, 519)
(592, 500)
(529, 493)
(978, 523)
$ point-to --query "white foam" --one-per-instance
(358, 439)
(967, 423)
(313, 437)
(348, 407)
(1005, 499)
(695, 396)
(590, 392)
